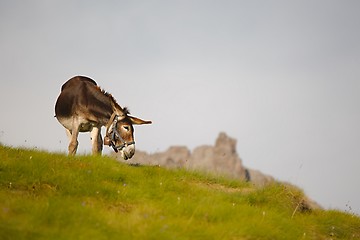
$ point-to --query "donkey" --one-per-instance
(83, 107)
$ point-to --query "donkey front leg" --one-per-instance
(73, 142)
(96, 140)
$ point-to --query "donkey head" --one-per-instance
(120, 133)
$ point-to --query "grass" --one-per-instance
(52, 196)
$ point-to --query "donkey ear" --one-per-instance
(138, 121)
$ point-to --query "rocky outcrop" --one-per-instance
(221, 159)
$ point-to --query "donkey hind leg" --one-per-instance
(96, 140)
(73, 142)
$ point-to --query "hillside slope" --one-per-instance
(52, 196)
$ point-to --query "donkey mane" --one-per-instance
(100, 93)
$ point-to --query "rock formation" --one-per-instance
(221, 159)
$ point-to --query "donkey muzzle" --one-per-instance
(128, 151)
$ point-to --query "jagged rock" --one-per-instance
(226, 143)
(220, 159)
(175, 157)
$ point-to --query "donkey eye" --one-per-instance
(127, 128)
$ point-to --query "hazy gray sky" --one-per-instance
(282, 77)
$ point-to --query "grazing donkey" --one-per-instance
(83, 107)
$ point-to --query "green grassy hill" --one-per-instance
(52, 196)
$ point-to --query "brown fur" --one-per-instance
(83, 106)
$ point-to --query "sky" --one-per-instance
(281, 77)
